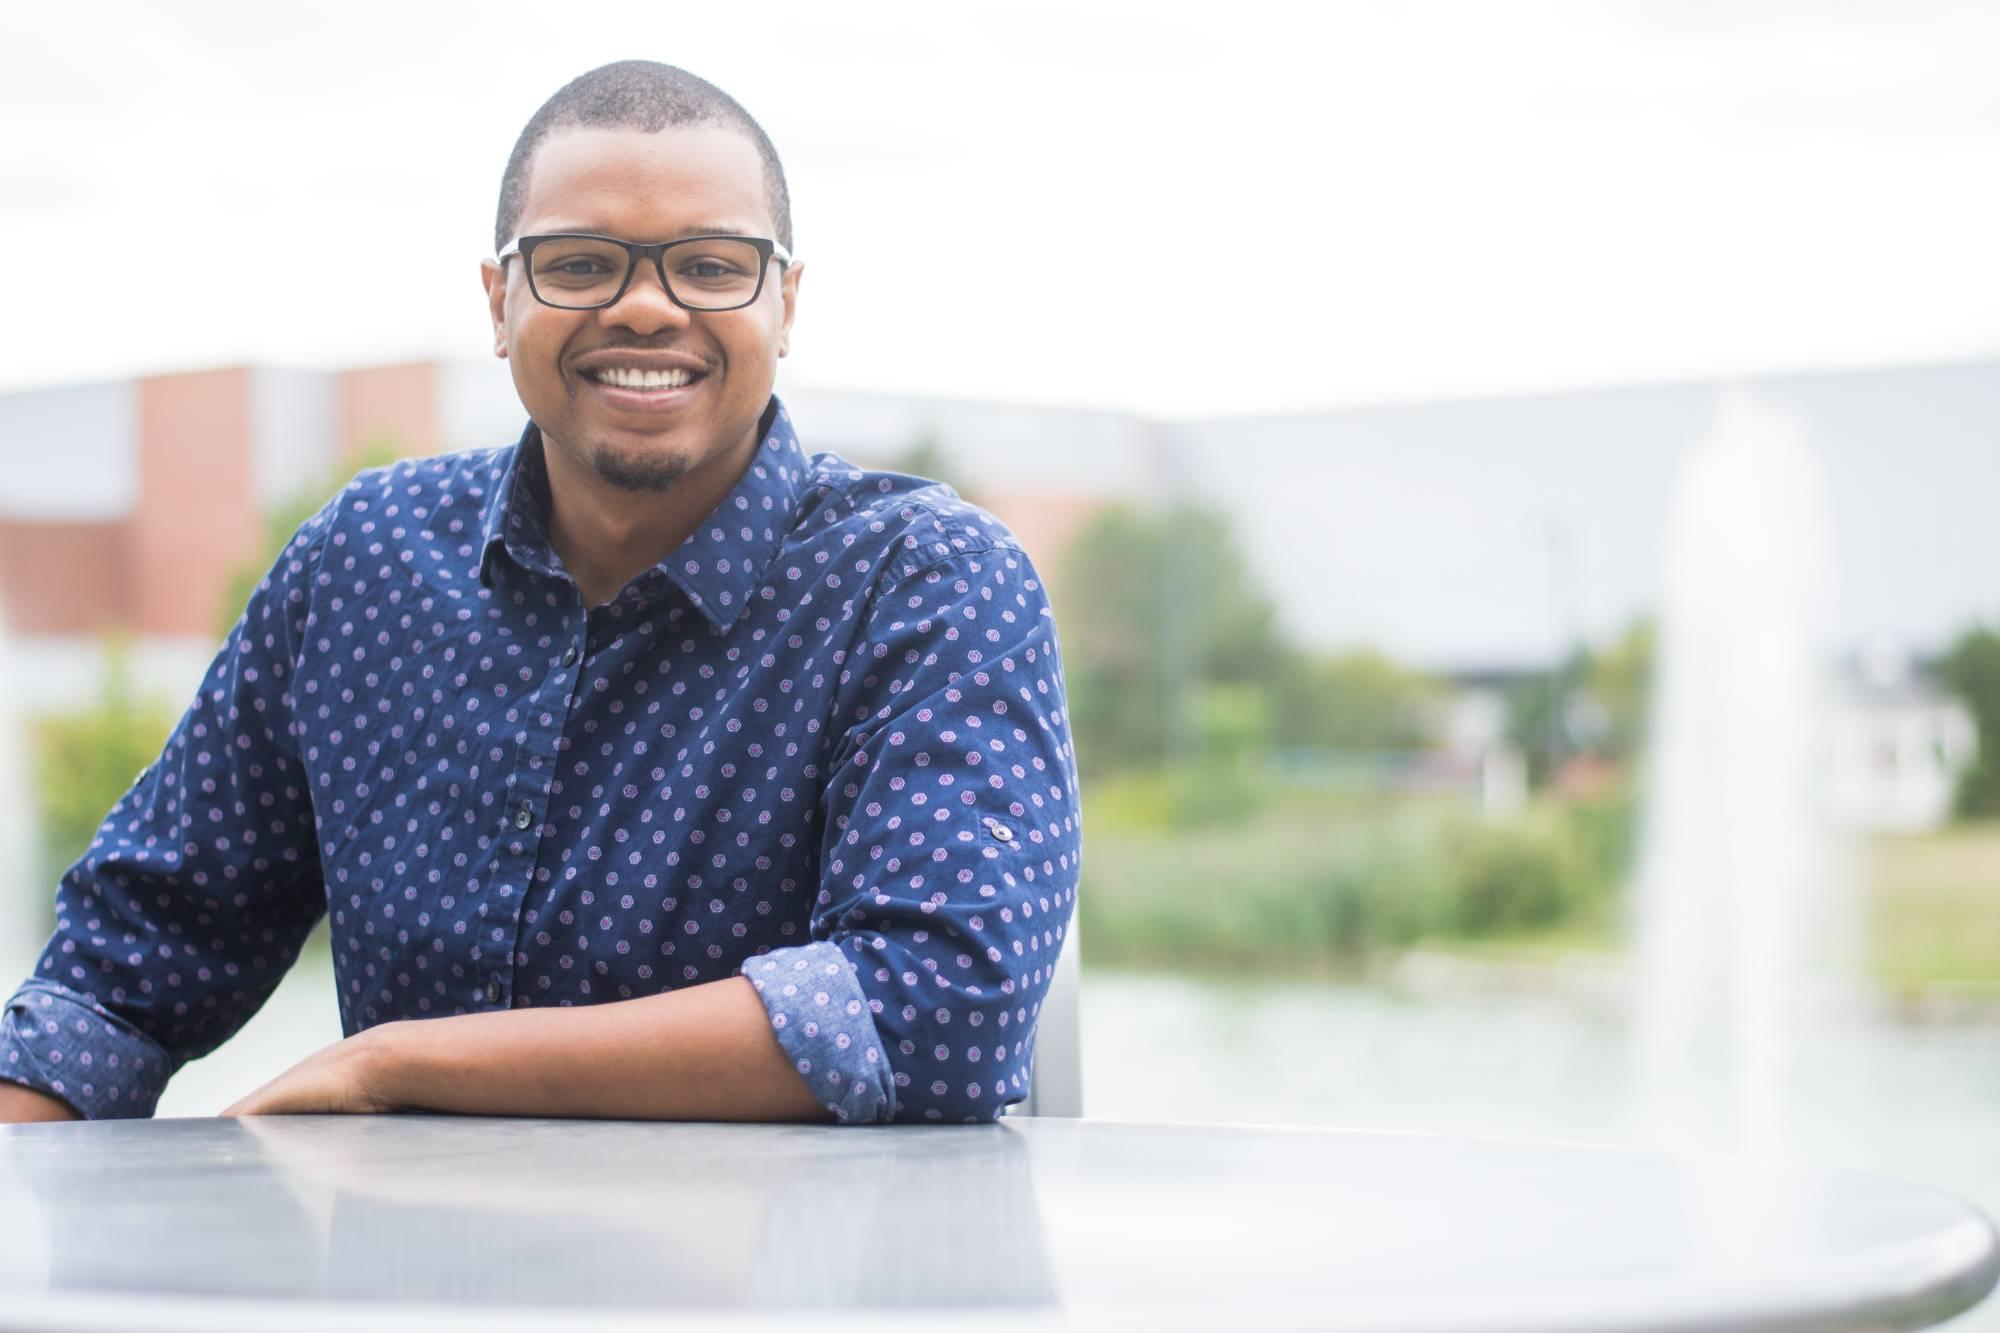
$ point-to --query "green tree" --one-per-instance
(1155, 609)
(1539, 715)
(1595, 703)
(1971, 669)
(1358, 701)
(1620, 684)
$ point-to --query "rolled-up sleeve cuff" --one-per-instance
(57, 1041)
(822, 1020)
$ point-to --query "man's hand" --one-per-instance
(345, 1078)
(19, 1106)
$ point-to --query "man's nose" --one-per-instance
(645, 306)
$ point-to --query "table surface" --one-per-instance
(447, 1222)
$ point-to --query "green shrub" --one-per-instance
(1178, 797)
(84, 761)
(1327, 884)
(1376, 894)
(1606, 831)
(1511, 877)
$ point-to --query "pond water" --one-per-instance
(1916, 1101)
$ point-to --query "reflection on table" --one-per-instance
(432, 1221)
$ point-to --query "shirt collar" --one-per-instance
(720, 565)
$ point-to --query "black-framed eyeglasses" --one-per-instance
(582, 271)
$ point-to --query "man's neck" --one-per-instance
(605, 535)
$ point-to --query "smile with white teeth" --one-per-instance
(626, 377)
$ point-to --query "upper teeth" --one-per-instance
(627, 378)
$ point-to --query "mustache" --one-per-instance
(640, 345)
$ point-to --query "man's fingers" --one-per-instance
(247, 1104)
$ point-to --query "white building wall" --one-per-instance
(294, 430)
(1475, 720)
(477, 407)
(60, 673)
(998, 446)
(1896, 763)
(70, 453)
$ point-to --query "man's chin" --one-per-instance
(641, 473)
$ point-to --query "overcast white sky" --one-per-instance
(1403, 200)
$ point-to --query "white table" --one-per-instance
(441, 1222)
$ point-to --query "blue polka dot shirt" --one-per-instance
(823, 744)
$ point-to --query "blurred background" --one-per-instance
(1516, 482)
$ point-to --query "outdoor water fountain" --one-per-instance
(1742, 912)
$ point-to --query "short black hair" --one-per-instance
(637, 95)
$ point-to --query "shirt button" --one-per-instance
(492, 990)
(569, 655)
(523, 817)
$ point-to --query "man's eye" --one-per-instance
(709, 270)
(578, 268)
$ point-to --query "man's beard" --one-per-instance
(642, 473)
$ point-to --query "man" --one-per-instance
(659, 769)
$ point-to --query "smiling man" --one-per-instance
(649, 767)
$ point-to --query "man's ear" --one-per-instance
(788, 295)
(494, 278)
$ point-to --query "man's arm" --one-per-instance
(950, 850)
(704, 1053)
(194, 896)
(19, 1105)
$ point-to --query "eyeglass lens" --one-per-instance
(712, 274)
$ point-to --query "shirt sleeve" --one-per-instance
(199, 887)
(950, 858)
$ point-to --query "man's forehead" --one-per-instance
(710, 176)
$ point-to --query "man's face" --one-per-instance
(681, 181)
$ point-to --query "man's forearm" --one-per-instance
(704, 1053)
(20, 1105)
